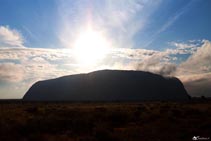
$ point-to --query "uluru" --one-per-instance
(108, 85)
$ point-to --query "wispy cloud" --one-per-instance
(29, 32)
(189, 47)
(117, 20)
(170, 21)
(10, 37)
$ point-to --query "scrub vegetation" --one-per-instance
(117, 121)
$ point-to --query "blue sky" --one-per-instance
(40, 21)
(44, 39)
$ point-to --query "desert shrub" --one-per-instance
(172, 119)
(151, 118)
(113, 121)
(141, 107)
(205, 126)
(81, 125)
(67, 113)
(133, 134)
(119, 118)
(100, 109)
(176, 112)
(192, 112)
(31, 109)
(166, 106)
(100, 114)
(86, 138)
(102, 134)
(137, 115)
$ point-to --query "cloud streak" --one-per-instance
(117, 20)
(170, 22)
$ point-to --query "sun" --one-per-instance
(90, 47)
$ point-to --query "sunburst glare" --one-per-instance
(90, 47)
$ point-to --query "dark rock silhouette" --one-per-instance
(108, 85)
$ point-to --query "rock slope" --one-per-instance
(108, 85)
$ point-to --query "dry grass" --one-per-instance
(105, 121)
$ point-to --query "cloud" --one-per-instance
(198, 84)
(199, 62)
(30, 64)
(27, 53)
(33, 64)
(10, 37)
(157, 63)
(195, 72)
(21, 67)
(160, 62)
(133, 54)
(11, 72)
(183, 45)
(25, 66)
(189, 47)
(159, 68)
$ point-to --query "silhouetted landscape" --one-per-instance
(106, 105)
(108, 85)
(105, 70)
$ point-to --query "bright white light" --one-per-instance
(90, 48)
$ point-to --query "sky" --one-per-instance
(45, 39)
